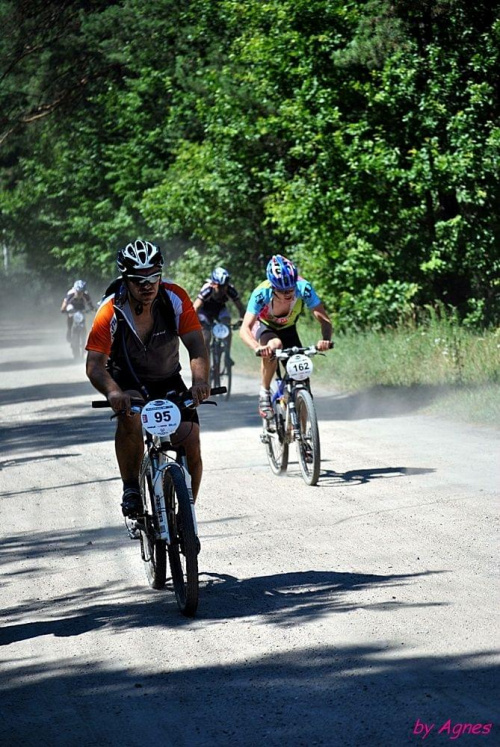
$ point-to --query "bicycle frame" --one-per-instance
(160, 462)
(286, 388)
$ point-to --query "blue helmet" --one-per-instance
(220, 276)
(281, 273)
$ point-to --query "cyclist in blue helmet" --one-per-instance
(270, 321)
(211, 302)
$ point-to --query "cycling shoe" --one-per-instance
(131, 502)
(265, 407)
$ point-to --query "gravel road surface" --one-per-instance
(351, 613)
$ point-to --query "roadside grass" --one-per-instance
(460, 366)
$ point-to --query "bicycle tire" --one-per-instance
(77, 344)
(276, 442)
(153, 550)
(215, 366)
(308, 447)
(225, 371)
(183, 547)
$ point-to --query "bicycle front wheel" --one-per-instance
(77, 343)
(216, 362)
(276, 441)
(183, 547)
(308, 448)
(225, 370)
(153, 550)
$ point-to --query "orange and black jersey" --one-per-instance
(114, 334)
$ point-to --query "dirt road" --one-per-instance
(351, 613)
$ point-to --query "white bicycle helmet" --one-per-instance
(80, 286)
(139, 255)
(220, 276)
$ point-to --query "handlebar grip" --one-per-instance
(258, 353)
(218, 390)
(100, 403)
(332, 344)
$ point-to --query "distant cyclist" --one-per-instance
(75, 300)
(271, 318)
(211, 302)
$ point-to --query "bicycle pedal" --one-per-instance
(133, 529)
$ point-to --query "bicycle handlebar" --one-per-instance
(288, 352)
(180, 399)
(231, 325)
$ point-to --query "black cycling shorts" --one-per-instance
(159, 389)
(288, 335)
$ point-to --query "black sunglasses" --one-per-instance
(144, 279)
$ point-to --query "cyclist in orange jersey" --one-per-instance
(133, 352)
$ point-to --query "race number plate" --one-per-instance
(160, 417)
(299, 367)
(221, 331)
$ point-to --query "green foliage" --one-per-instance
(360, 138)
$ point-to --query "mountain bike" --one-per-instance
(221, 363)
(294, 415)
(167, 524)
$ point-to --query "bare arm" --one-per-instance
(104, 383)
(320, 314)
(197, 304)
(246, 335)
(198, 359)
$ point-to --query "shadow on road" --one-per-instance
(329, 477)
(374, 694)
(278, 599)
(44, 392)
(31, 365)
(286, 598)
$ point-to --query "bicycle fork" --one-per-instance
(160, 508)
(187, 478)
(293, 419)
(159, 497)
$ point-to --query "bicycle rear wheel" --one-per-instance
(183, 547)
(153, 550)
(275, 440)
(308, 447)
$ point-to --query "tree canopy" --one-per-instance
(360, 138)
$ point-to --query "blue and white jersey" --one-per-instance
(261, 304)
